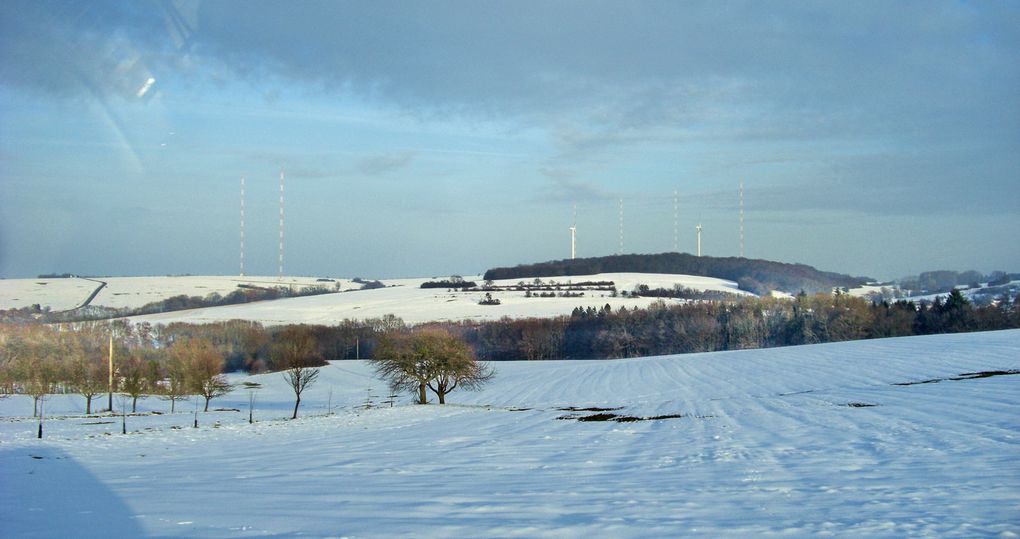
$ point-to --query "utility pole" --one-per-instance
(111, 371)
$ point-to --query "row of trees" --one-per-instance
(709, 326)
(40, 360)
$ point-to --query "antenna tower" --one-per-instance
(621, 228)
(573, 235)
(741, 219)
(281, 224)
(676, 222)
(242, 226)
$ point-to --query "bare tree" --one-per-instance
(136, 376)
(174, 374)
(34, 364)
(432, 359)
(88, 372)
(296, 351)
(204, 366)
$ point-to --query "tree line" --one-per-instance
(178, 361)
(703, 326)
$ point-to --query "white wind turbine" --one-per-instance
(573, 236)
(698, 228)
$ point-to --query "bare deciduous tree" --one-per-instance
(295, 350)
(87, 372)
(174, 374)
(204, 365)
(136, 376)
(432, 359)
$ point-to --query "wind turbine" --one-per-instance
(573, 236)
(698, 228)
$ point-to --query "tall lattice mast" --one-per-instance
(621, 227)
(676, 221)
(242, 226)
(741, 219)
(281, 224)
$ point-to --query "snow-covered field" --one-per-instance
(62, 294)
(812, 440)
(406, 299)
(402, 297)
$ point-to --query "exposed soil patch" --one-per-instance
(590, 409)
(963, 376)
(604, 416)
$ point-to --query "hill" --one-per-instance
(753, 275)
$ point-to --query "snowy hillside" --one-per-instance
(868, 438)
(401, 297)
(118, 292)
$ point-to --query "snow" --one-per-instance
(57, 294)
(119, 292)
(768, 445)
(402, 297)
(406, 299)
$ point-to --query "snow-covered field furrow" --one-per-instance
(812, 440)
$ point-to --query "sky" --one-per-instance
(436, 138)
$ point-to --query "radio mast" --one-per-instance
(242, 226)
(281, 225)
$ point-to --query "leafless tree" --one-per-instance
(204, 366)
(174, 375)
(430, 359)
(295, 350)
(88, 372)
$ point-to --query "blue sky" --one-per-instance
(430, 138)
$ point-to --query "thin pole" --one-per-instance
(111, 372)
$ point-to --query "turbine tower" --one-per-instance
(242, 226)
(281, 225)
(573, 236)
(698, 228)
